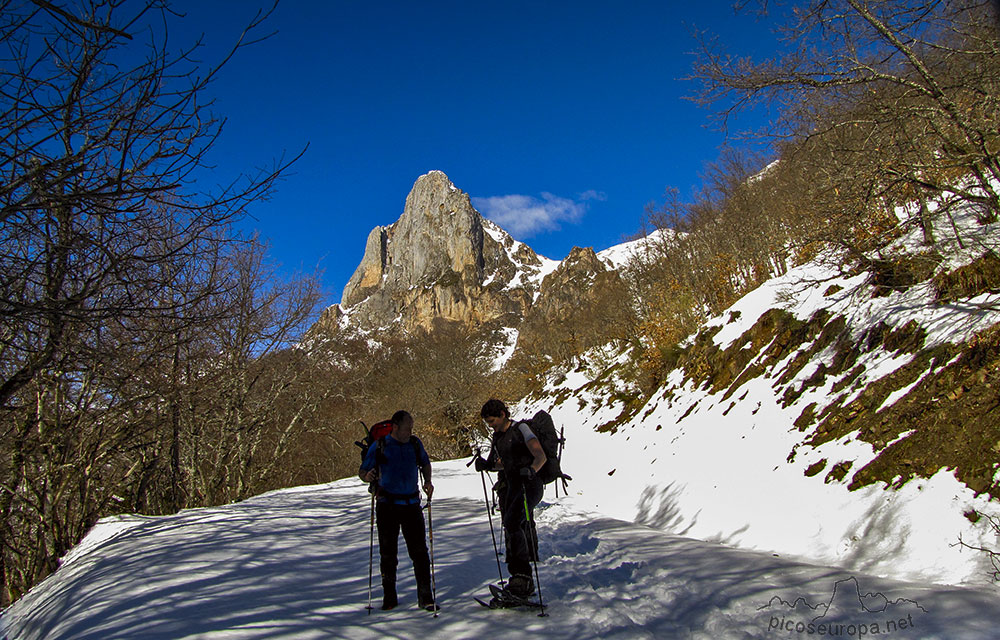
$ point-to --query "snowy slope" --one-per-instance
(716, 465)
(528, 275)
(620, 255)
(293, 564)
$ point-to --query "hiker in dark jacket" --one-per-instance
(393, 462)
(518, 454)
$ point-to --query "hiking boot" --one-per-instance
(389, 600)
(425, 598)
(521, 585)
(429, 605)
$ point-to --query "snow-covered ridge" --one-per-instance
(620, 255)
(730, 465)
(529, 276)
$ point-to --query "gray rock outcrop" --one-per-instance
(440, 262)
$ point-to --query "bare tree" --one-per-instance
(113, 271)
(889, 102)
(738, 231)
(91, 153)
(253, 398)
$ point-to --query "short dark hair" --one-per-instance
(400, 417)
(494, 408)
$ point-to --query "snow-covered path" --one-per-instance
(294, 564)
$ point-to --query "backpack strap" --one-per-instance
(417, 446)
(380, 458)
(380, 450)
(519, 457)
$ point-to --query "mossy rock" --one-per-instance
(976, 278)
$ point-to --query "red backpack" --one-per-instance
(377, 431)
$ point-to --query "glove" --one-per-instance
(527, 473)
(482, 464)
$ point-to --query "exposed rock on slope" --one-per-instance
(578, 304)
(441, 261)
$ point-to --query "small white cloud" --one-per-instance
(525, 216)
(593, 195)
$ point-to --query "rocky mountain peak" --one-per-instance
(439, 261)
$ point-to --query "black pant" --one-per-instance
(391, 518)
(522, 537)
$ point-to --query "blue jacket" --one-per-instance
(397, 468)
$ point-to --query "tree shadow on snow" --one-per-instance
(632, 582)
(257, 570)
(295, 565)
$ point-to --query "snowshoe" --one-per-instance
(503, 599)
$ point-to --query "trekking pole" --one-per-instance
(489, 514)
(371, 553)
(562, 440)
(534, 541)
(430, 531)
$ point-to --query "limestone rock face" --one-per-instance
(567, 287)
(575, 308)
(441, 261)
(368, 276)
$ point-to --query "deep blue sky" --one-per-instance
(570, 111)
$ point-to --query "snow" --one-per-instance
(731, 469)
(294, 564)
(729, 466)
(526, 274)
(750, 496)
(620, 255)
(651, 542)
(505, 348)
(548, 266)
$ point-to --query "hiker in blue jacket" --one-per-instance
(393, 461)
